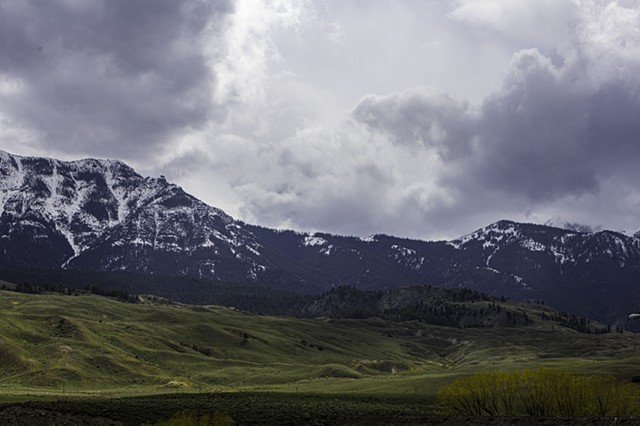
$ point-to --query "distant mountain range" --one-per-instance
(100, 215)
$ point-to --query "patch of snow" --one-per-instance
(532, 245)
(490, 236)
(207, 243)
(327, 250)
(403, 250)
(312, 240)
(218, 235)
(559, 256)
(140, 242)
(252, 250)
(369, 239)
(407, 257)
(490, 256)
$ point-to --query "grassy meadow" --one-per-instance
(92, 347)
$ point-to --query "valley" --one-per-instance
(56, 348)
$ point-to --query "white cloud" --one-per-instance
(541, 23)
(241, 62)
(611, 36)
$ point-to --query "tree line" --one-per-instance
(115, 293)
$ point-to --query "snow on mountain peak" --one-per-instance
(84, 198)
(491, 234)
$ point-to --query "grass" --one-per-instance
(89, 348)
(247, 408)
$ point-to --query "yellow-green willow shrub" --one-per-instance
(543, 392)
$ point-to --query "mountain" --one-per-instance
(589, 273)
(593, 274)
(100, 215)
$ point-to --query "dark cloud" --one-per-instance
(553, 132)
(532, 135)
(420, 116)
(112, 78)
(550, 132)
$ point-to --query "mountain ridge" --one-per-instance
(100, 215)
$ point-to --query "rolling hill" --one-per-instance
(91, 343)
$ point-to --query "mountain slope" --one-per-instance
(100, 215)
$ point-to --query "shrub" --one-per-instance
(189, 418)
(543, 392)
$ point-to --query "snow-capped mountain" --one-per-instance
(564, 247)
(100, 215)
(595, 274)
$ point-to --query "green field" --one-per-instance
(90, 347)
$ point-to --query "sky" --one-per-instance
(418, 118)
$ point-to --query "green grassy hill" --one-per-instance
(92, 344)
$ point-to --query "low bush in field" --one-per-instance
(189, 418)
(543, 392)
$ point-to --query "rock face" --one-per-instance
(100, 215)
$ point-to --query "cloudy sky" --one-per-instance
(425, 118)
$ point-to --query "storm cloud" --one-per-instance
(109, 78)
(561, 130)
(422, 119)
